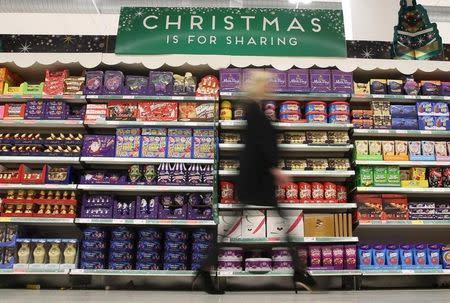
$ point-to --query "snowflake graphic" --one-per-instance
(139, 13)
(25, 48)
(68, 39)
(367, 53)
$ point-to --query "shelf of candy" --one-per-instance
(261, 226)
(301, 192)
(25, 175)
(398, 151)
(31, 144)
(42, 110)
(163, 174)
(319, 259)
(48, 204)
(148, 249)
(148, 111)
(323, 138)
(8, 236)
(395, 209)
(425, 115)
(297, 82)
(9, 78)
(401, 89)
(45, 255)
(169, 206)
(410, 258)
(177, 143)
(158, 83)
(393, 176)
(291, 112)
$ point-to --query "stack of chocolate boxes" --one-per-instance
(121, 249)
(293, 80)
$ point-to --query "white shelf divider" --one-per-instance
(297, 240)
(116, 160)
(404, 190)
(299, 173)
(37, 220)
(306, 206)
(144, 188)
(39, 186)
(58, 124)
(114, 124)
(39, 159)
(163, 222)
(403, 163)
(401, 133)
(294, 147)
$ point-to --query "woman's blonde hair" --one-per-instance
(258, 85)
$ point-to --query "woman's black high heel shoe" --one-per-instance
(304, 279)
(208, 283)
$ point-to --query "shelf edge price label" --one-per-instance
(417, 222)
(378, 96)
(408, 271)
(410, 97)
(128, 97)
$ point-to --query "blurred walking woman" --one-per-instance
(259, 172)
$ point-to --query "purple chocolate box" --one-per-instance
(113, 83)
(94, 82)
(298, 81)
(201, 212)
(135, 85)
(124, 209)
(55, 110)
(279, 79)
(342, 82)
(172, 212)
(147, 207)
(230, 79)
(160, 83)
(320, 80)
(99, 146)
(35, 109)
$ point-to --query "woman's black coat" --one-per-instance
(256, 183)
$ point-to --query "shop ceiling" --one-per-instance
(439, 8)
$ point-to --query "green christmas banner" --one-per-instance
(231, 31)
(415, 37)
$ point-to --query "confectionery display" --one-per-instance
(8, 238)
(296, 137)
(141, 118)
(45, 254)
(42, 110)
(415, 177)
(260, 224)
(402, 256)
(398, 207)
(179, 206)
(35, 144)
(152, 143)
(46, 175)
(400, 150)
(293, 80)
(39, 203)
(279, 260)
(162, 174)
(425, 115)
(143, 249)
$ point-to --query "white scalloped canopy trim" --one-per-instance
(91, 60)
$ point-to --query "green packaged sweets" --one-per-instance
(380, 175)
(393, 175)
(365, 176)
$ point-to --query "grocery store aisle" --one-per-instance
(82, 296)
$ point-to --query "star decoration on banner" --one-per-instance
(25, 47)
(68, 39)
(367, 53)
